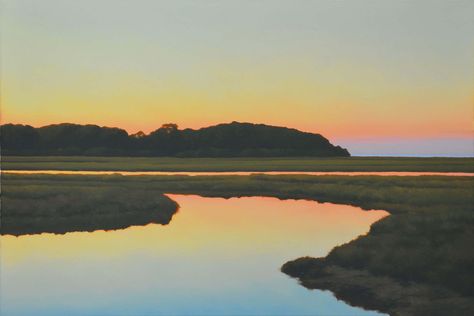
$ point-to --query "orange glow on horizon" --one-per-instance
(324, 68)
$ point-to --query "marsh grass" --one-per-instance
(415, 262)
(31, 208)
(238, 164)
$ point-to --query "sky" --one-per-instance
(379, 77)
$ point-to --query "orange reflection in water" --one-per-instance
(209, 226)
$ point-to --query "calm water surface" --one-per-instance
(216, 257)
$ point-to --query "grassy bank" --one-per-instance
(418, 261)
(32, 207)
(239, 164)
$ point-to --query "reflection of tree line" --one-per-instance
(225, 140)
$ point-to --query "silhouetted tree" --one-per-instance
(223, 140)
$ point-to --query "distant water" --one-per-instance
(245, 173)
(216, 257)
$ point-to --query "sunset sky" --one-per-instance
(380, 77)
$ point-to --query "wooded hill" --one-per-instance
(223, 140)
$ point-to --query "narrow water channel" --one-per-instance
(216, 257)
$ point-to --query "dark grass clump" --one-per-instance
(42, 208)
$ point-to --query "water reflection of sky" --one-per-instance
(217, 257)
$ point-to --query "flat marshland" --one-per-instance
(418, 261)
(237, 164)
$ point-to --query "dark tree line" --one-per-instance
(224, 140)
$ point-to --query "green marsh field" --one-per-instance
(237, 164)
